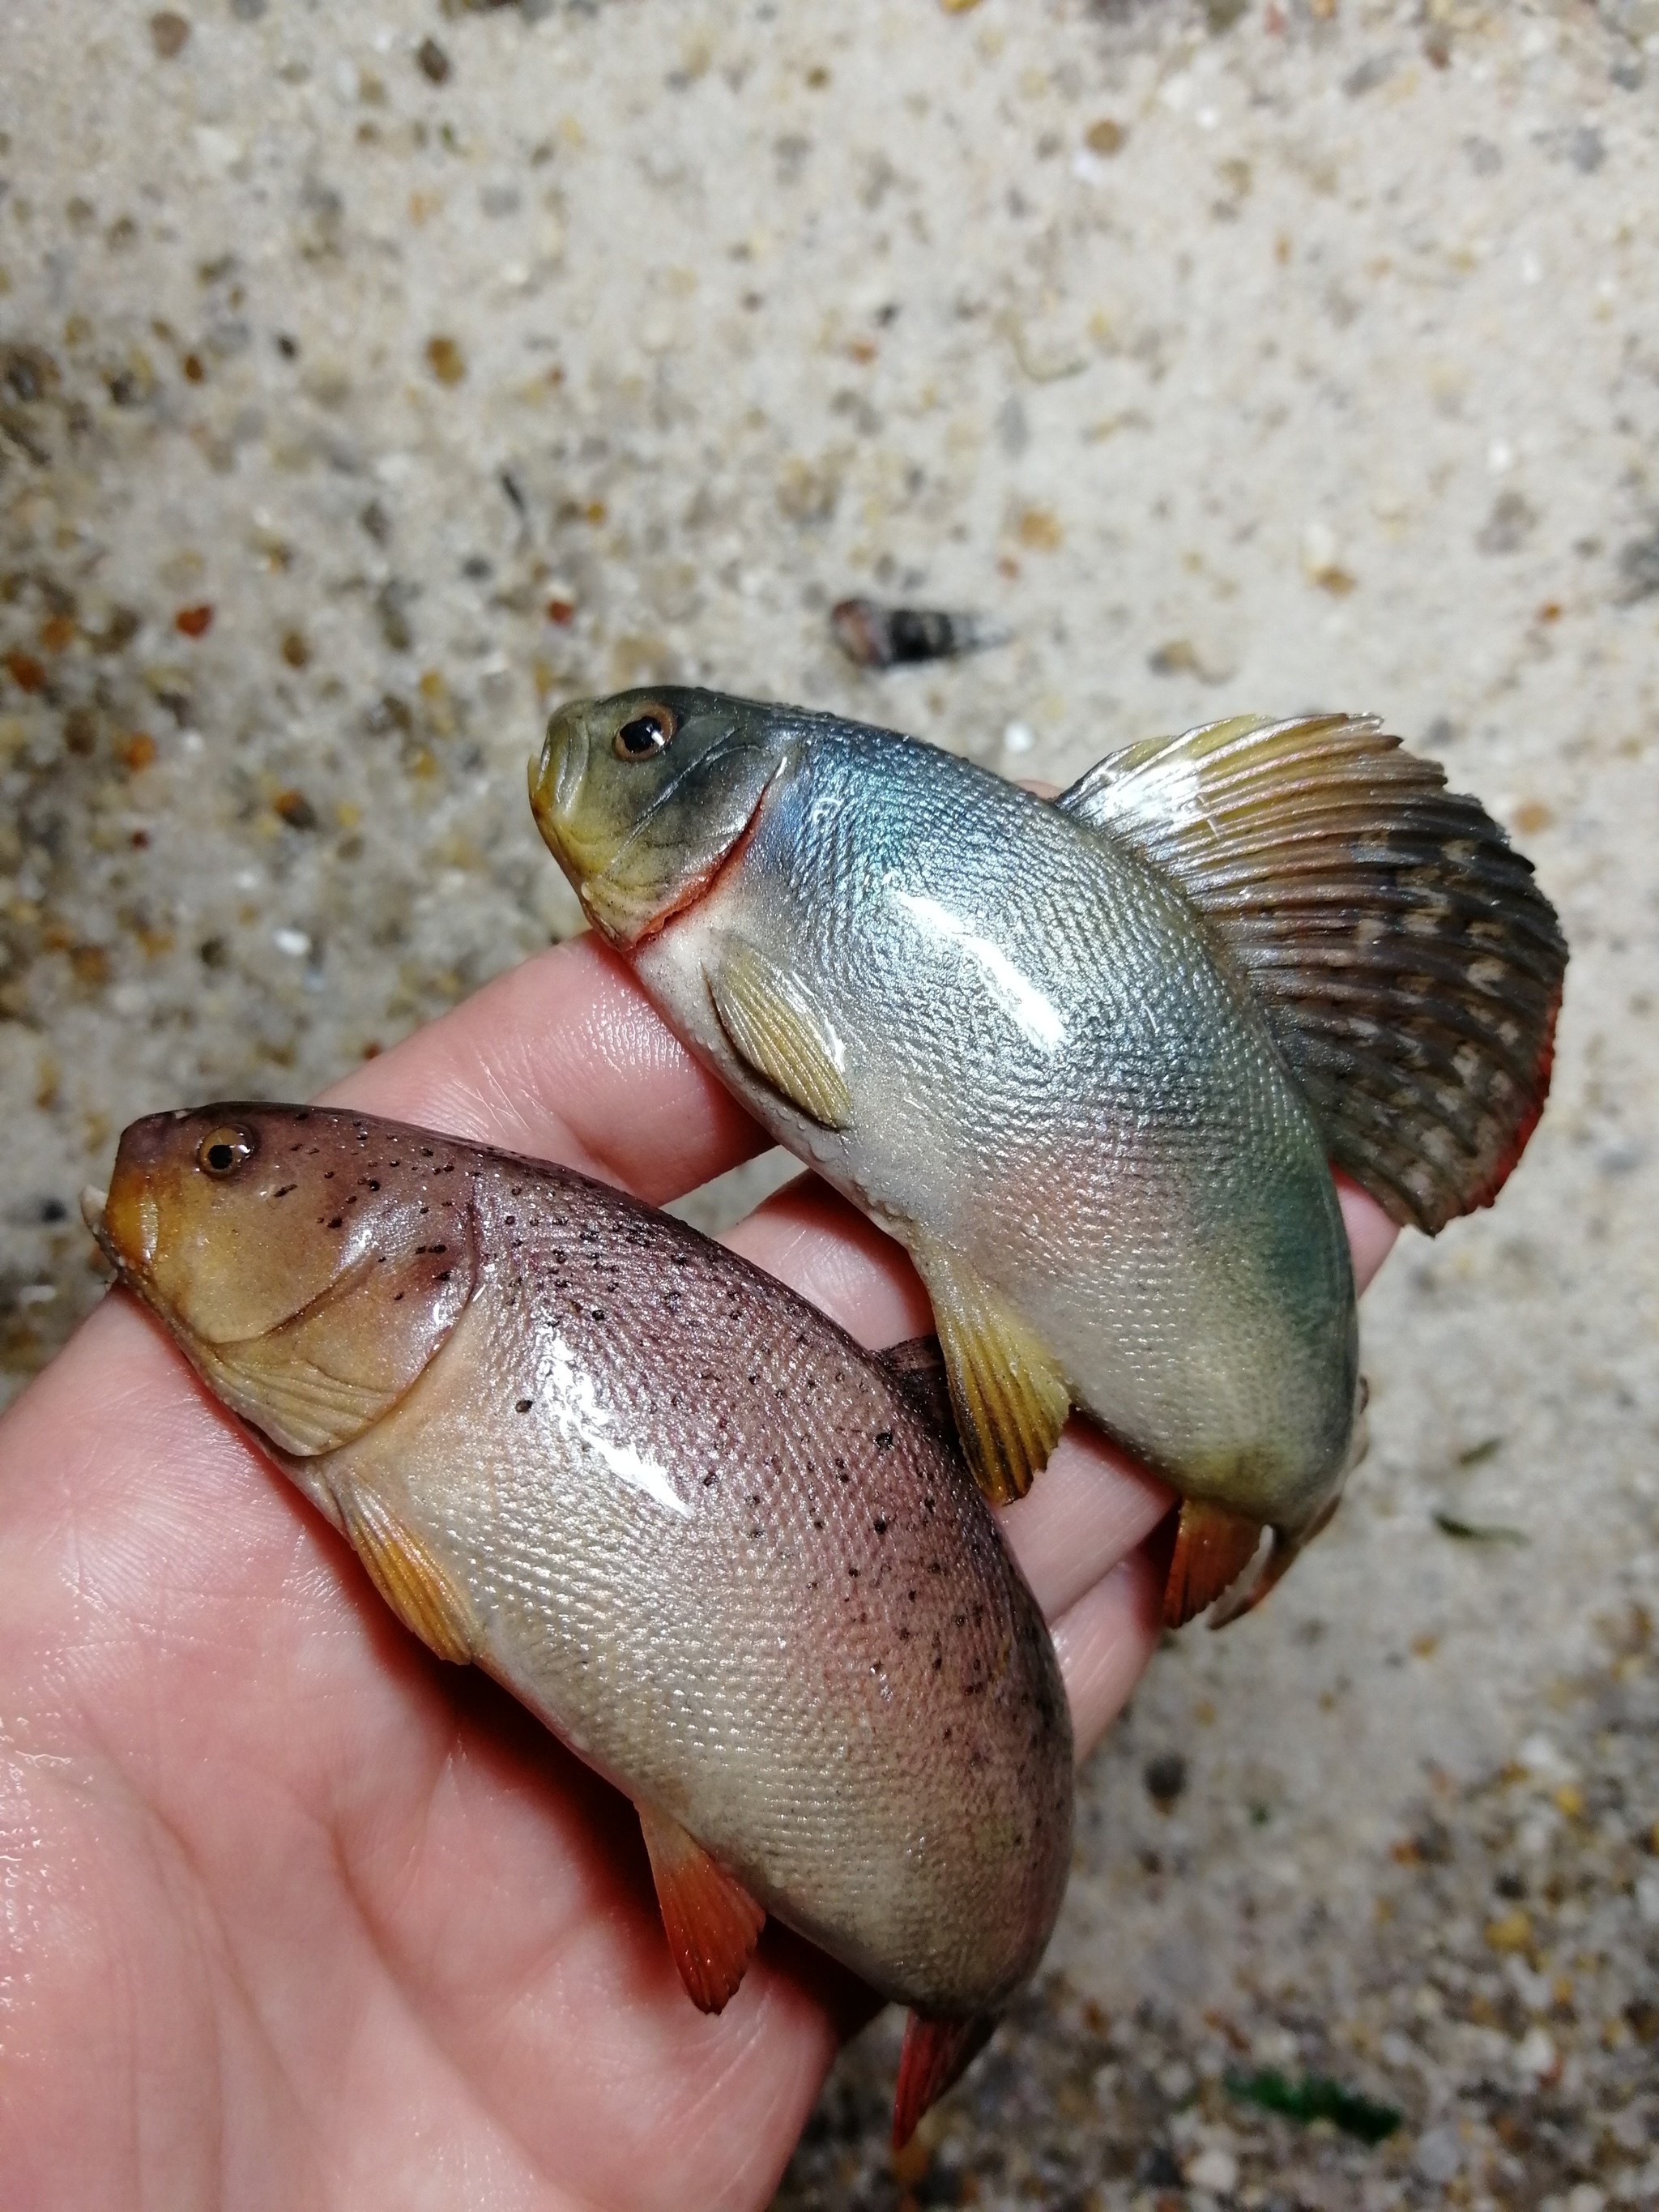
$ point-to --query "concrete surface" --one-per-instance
(1261, 355)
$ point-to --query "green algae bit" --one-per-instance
(1315, 2097)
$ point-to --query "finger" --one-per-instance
(1089, 1509)
(1370, 1233)
(564, 1058)
(821, 1245)
(1103, 1642)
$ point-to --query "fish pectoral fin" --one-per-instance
(712, 1922)
(1213, 1546)
(422, 1594)
(937, 2053)
(1010, 1397)
(772, 1024)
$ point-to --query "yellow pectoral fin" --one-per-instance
(1010, 1397)
(771, 1024)
(421, 1592)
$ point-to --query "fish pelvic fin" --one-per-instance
(712, 1922)
(772, 1024)
(936, 2054)
(1213, 1546)
(1009, 1398)
(403, 1567)
(1409, 966)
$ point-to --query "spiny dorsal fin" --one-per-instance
(712, 1922)
(1009, 1396)
(1409, 966)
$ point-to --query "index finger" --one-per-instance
(565, 1058)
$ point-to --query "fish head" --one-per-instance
(643, 797)
(307, 1262)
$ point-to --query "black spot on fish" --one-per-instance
(524, 1405)
(336, 1220)
(884, 1440)
(879, 1524)
(286, 1188)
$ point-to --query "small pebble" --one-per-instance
(167, 34)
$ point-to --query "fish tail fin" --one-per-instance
(1409, 966)
(936, 2054)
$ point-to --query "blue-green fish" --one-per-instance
(1089, 1059)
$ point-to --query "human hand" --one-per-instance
(294, 1913)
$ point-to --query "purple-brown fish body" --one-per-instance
(732, 1560)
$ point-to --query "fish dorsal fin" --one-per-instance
(917, 1366)
(1409, 966)
(771, 1023)
(403, 1569)
(1009, 1396)
(712, 1922)
(323, 1376)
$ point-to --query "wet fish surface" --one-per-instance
(1089, 1059)
(732, 1560)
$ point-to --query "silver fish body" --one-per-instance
(1089, 1059)
(1054, 1082)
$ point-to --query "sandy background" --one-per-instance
(1236, 356)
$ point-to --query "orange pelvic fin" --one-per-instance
(936, 2054)
(1213, 1547)
(712, 1922)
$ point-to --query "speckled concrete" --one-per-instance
(1257, 355)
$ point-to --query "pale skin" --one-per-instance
(291, 1913)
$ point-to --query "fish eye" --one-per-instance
(647, 733)
(223, 1151)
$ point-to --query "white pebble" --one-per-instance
(1215, 2169)
(294, 942)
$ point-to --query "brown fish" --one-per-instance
(735, 1562)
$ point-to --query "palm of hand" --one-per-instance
(292, 1912)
